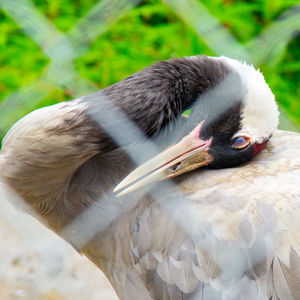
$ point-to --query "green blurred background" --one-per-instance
(149, 31)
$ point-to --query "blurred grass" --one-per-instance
(150, 32)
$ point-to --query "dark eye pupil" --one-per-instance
(240, 141)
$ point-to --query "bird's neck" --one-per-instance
(40, 155)
(155, 97)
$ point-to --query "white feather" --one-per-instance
(260, 112)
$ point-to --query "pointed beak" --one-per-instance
(189, 154)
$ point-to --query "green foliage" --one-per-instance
(150, 32)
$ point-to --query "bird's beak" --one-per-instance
(190, 153)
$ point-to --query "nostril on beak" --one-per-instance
(175, 167)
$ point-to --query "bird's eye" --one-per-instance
(241, 142)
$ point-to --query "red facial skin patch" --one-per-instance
(258, 147)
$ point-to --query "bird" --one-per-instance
(226, 223)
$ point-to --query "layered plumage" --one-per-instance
(216, 234)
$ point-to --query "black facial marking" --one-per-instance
(221, 109)
(225, 156)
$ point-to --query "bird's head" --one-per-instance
(229, 124)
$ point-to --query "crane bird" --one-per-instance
(217, 232)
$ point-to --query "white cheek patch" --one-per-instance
(260, 114)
